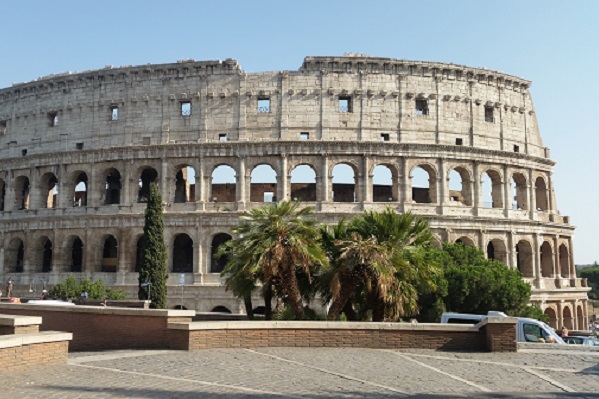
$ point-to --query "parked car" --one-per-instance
(586, 341)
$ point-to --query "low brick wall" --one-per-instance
(104, 328)
(11, 324)
(26, 351)
(500, 335)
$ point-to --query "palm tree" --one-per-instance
(272, 243)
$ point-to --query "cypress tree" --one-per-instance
(153, 268)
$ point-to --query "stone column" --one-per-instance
(571, 257)
(34, 190)
(90, 189)
(511, 251)
(198, 270)
(201, 194)
(560, 314)
(367, 189)
(64, 189)
(283, 185)
(557, 267)
(241, 185)
(128, 181)
(326, 192)
(536, 253)
(532, 196)
(164, 186)
(507, 191)
(405, 195)
(443, 183)
(476, 191)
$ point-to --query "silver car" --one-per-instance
(587, 341)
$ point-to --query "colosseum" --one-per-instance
(456, 144)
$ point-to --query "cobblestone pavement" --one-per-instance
(310, 373)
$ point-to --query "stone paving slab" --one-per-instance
(309, 373)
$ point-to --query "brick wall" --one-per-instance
(8, 330)
(28, 356)
(500, 337)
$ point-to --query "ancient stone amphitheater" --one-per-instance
(456, 144)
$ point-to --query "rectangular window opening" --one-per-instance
(304, 136)
(114, 113)
(263, 105)
(516, 148)
(269, 196)
(79, 146)
(421, 107)
(223, 137)
(3, 127)
(146, 140)
(489, 115)
(345, 104)
(185, 108)
(459, 141)
(24, 152)
(385, 137)
(53, 119)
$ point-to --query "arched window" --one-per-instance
(344, 184)
(465, 241)
(303, 183)
(22, 192)
(148, 176)
(16, 255)
(564, 261)
(223, 188)
(552, 317)
(524, 258)
(496, 250)
(423, 185)
(80, 194)
(49, 190)
(580, 318)
(77, 255)
(519, 191)
(491, 189)
(263, 184)
(220, 309)
(460, 186)
(217, 264)
(541, 194)
(185, 185)
(546, 260)
(383, 186)
(113, 187)
(110, 255)
(2, 194)
(568, 319)
(46, 256)
(183, 254)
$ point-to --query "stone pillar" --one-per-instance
(476, 188)
(164, 186)
(198, 270)
(532, 196)
(283, 186)
(571, 257)
(536, 266)
(443, 183)
(560, 314)
(201, 180)
(367, 189)
(34, 190)
(511, 251)
(128, 181)
(507, 191)
(405, 195)
(91, 189)
(326, 192)
(557, 267)
(10, 195)
(64, 189)
(241, 185)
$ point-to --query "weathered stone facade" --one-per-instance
(77, 152)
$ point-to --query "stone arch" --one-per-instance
(112, 180)
(568, 320)
(80, 189)
(139, 247)
(48, 188)
(76, 255)
(436, 242)
(22, 191)
(423, 178)
(546, 259)
(185, 184)
(580, 318)
(217, 265)
(45, 257)
(496, 249)
(16, 255)
(220, 309)
(303, 183)
(343, 181)
(524, 258)
(110, 254)
(551, 313)
(491, 189)
(223, 186)
(384, 183)
(541, 194)
(263, 183)
(519, 191)
(147, 176)
(564, 261)
(465, 241)
(460, 186)
(2, 194)
(182, 254)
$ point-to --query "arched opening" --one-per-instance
(183, 254)
(303, 183)
(2, 194)
(110, 255)
(496, 250)
(139, 253)
(217, 264)
(223, 187)
(22, 192)
(580, 319)
(383, 189)
(491, 189)
(185, 185)
(541, 194)
(221, 309)
(465, 241)
(16, 256)
(549, 312)
(564, 261)
(460, 186)
(519, 191)
(48, 190)
(524, 258)
(77, 256)
(47, 256)
(148, 176)
(423, 183)
(546, 260)
(344, 183)
(263, 184)
(80, 195)
(113, 187)
(179, 307)
(568, 320)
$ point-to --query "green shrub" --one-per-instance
(71, 289)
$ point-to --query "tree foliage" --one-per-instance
(153, 268)
(70, 288)
(592, 276)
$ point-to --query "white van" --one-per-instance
(527, 330)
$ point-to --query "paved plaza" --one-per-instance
(310, 373)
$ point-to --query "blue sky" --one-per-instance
(552, 43)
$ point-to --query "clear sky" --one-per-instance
(553, 43)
